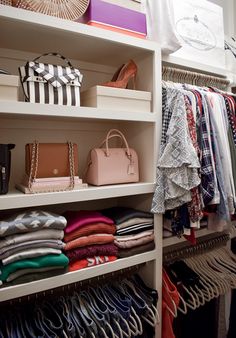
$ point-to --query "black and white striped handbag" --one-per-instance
(53, 84)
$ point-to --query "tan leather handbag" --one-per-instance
(112, 165)
(51, 160)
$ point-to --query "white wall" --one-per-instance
(229, 8)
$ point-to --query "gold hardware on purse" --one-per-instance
(51, 160)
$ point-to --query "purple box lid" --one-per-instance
(104, 12)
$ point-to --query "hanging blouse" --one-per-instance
(209, 186)
(221, 124)
(222, 209)
(177, 168)
(195, 205)
(230, 108)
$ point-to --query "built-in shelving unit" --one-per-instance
(97, 53)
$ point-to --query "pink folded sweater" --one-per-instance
(77, 219)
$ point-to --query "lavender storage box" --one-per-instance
(116, 18)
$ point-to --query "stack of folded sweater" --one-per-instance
(30, 245)
(89, 238)
(134, 230)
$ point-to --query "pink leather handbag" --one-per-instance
(112, 165)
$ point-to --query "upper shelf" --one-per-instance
(48, 111)
(192, 65)
(16, 199)
(34, 32)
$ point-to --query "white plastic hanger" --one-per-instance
(221, 264)
(151, 318)
(183, 310)
(199, 268)
(191, 303)
(216, 278)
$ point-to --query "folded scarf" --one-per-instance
(77, 219)
(31, 236)
(7, 251)
(122, 253)
(30, 275)
(135, 221)
(122, 214)
(135, 229)
(33, 263)
(91, 251)
(97, 228)
(31, 220)
(133, 237)
(30, 253)
(134, 242)
(89, 262)
(89, 240)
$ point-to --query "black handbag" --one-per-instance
(5, 166)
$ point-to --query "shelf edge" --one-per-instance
(16, 291)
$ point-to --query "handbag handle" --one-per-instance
(100, 146)
(57, 55)
(116, 131)
(111, 136)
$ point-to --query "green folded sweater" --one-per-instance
(33, 263)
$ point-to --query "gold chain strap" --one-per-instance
(35, 159)
(72, 166)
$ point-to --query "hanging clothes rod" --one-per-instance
(70, 288)
(194, 78)
(204, 245)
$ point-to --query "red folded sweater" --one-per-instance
(89, 240)
(97, 228)
(92, 261)
(109, 249)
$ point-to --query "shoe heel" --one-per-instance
(125, 74)
(132, 81)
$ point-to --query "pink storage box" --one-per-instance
(116, 18)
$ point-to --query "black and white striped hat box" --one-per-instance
(53, 84)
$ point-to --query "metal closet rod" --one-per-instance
(203, 246)
(182, 75)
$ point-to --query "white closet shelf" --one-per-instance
(36, 110)
(35, 32)
(192, 65)
(25, 289)
(17, 199)
(175, 240)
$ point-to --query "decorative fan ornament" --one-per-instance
(64, 9)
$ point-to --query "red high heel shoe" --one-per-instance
(123, 76)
